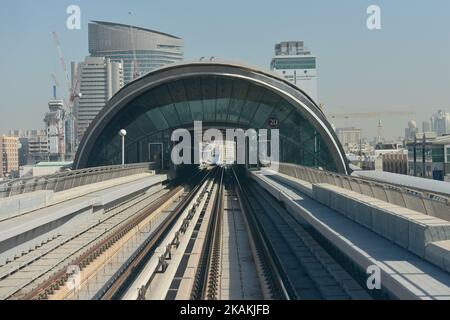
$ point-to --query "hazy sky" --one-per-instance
(403, 66)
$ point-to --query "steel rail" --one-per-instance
(282, 288)
(60, 277)
(213, 265)
(121, 279)
(200, 287)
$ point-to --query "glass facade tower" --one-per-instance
(296, 64)
(140, 50)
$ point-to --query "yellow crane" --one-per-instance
(359, 115)
(369, 114)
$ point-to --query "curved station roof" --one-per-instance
(222, 95)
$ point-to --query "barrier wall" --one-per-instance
(414, 199)
(70, 179)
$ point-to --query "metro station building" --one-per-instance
(221, 95)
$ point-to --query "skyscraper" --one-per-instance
(426, 126)
(440, 122)
(296, 63)
(99, 80)
(141, 50)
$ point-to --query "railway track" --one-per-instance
(239, 243)
(60, 253)
(223, 249)
(120, 281)
(291, 265)
(207, 277)
(82, 247)
(295, 265)
(95, 248)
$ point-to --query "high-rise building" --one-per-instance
(141, 50)
(99, 79)
(440, 122)
(411, 131)
(296, 63)
(426, 126)
(10, 158)
(55, 127)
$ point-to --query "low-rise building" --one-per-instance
(1, 164)
(33, 146)
(395, 163)
(389, 157)
(44, 168)
(349, 136)
(429, 156)
(10, 155)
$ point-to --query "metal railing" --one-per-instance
(415, 199)
(70, 179)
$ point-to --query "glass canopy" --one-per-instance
(217, 101)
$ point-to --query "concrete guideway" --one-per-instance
(22, 233)
(223, 233)
(151, 283)
(103, 267)
(221, 254)
(178, 278)
(236, 273)
(330, 279)
(308, 271)
(404, 274)
(59, 252)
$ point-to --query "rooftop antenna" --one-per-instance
(380, 131)
(55, 85)
(72, 91)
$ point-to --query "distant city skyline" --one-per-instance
(359, 70)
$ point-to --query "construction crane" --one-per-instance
(135, 62)
(369, 114)
(72, 92)
(136, 71)
(61, 60)
(359, 115)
